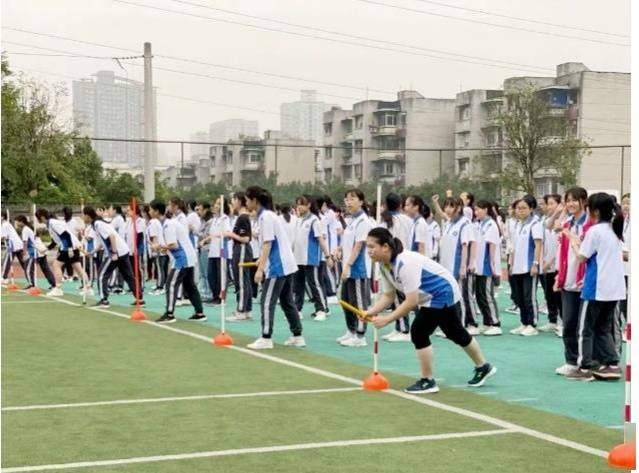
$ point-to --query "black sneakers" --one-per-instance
(423, 386)
(481, 374)
(103, 304)
(200, 317)
(166, 319)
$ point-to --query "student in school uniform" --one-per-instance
(117, 221)
(256, 249)
(549, 266)
(242, 253)
(160, 260)
(330, 222)
(116, 256)
(411, 229)
(13, 244)
(431, 289)
(275, 270)
(203, 210)
(68, 250)
(356, 270)
(435, 233)
(487, 266)
(177, 209)
(183, 259)
(456, 256)
(623, 305)
(220, 225)
(41, 249)
(525, 263)
(509, 232)
(309, 244)
(602, 251)
(28, 255)
(288, 217)
(134, 238)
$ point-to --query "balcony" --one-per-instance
(347, 158)
(490, 121)
(389, 155)
(384, 130)
(252, 166)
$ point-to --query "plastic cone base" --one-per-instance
(12, 287)
(137, 316)
(623, 456)
(375, 382)
(222, 340)
(35, 291)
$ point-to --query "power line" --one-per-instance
(495, 25)
(175, 71)
(202, 62)
(497, 63)
(529, 20)
(18, 53)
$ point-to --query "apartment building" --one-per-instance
(389, 141)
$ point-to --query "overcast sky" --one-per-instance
(172, 34)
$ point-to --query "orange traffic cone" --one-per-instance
(623, 456)
(375, 382)
(222, 339)
(35, 291)
(137, 316)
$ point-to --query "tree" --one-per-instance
(118, 188)
(41, 162)
(541, 141)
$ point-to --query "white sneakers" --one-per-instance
(390, 335)
(239, 317)
(182, 302)
(518, 330)
(399, 337)
(529, 331)
(513, 309)
(472, 330)
(87, 291)
(295, 342)
(157, 292)
(261, 344)
(55, 292)
(320, 316)
(332, 300)
(344, 337)
(549, 327)
(354, 341)
(566, 369)
(492, 331)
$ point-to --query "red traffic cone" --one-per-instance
(222, 339)
(12, 286)
(623, 456)
(35, 291)
(375, 382)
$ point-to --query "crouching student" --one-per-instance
(434, 291)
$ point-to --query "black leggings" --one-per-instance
(553, 299)
(184, 278)
(446, 318)
(242, 276)
(123, 264)
(46, 270)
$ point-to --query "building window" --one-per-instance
(254, 158)
(464, 165)
(328, 129)
(389, 168)
(357, 148)
(328, 174)
(358, 171)
(328, 152)
(359, 122)
(348, 172)
(464, 112)
(388, 119)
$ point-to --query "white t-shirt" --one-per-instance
(219, 224)
(487, 233)
(412, 271)
(604, 278)
(12, 237)
(281, 261)
(28, 237)
(104, 231)
(140, 227)
(525, 234)
(418, 233)
(455, 234)
(60, 233)
(194, 223)
(550, 248)
(306, 246)
(118, 223)
(357, 230)
(175, 233)
(435, 233)
(255, 243)
(330, 221)
(154, 230)
(289, 226)
(626, 244)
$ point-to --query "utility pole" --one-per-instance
(149, 123)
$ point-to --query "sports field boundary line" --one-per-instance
(254, 450)
(200, 397)
(24, 302)
(328, 374)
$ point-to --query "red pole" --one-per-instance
(137, 314)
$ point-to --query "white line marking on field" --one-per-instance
(486, 393)
(523, 399)
(415, 398)
(614, 427)
(245, 451)
(179, 398)
(25, 302)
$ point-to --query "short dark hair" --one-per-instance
(158, 205)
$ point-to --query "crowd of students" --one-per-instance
(443, 262)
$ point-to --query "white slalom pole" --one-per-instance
(35, 251)
(378, 218)
(12, 282)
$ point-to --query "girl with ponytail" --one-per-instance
(434, 292)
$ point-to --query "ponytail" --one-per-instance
(384, 237)
(393, 204)
(608, 210)
(617, 222)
